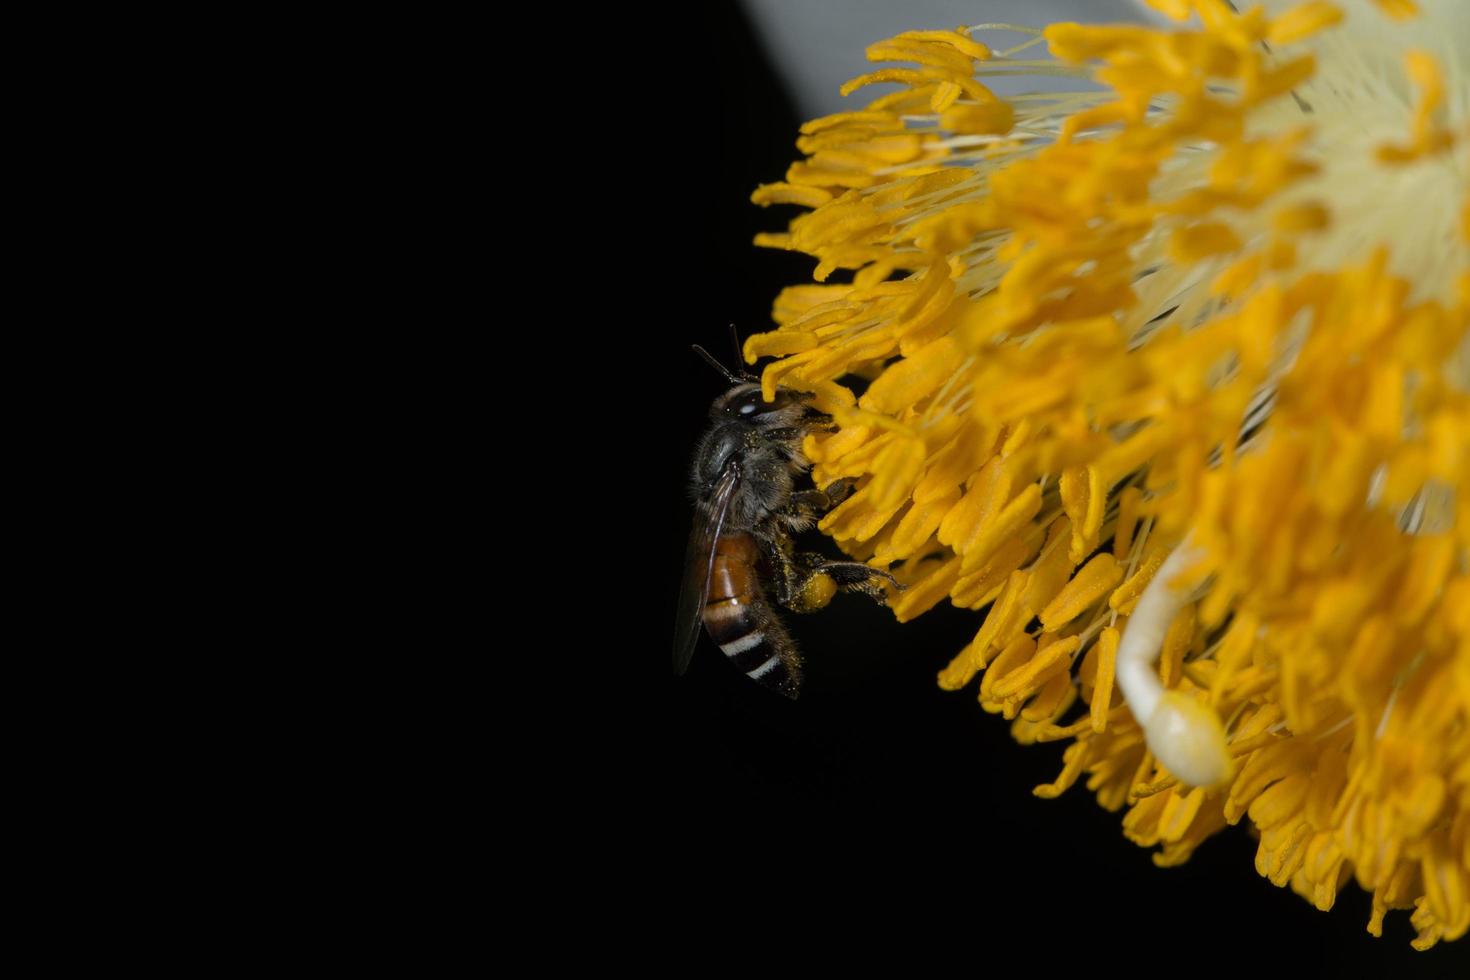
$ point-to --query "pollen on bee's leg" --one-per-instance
(818, 591)
(1183, 733)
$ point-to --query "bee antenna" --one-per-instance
(709, 359)
(739, 355)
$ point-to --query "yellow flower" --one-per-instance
(1172, 382)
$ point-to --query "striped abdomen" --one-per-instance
(741, 621)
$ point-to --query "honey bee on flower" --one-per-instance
(1170, 382)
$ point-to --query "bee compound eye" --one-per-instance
(749, 404)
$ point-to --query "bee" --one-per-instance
(742, 551)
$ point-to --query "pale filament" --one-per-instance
(1184, 734)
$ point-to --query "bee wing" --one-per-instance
(699, 563)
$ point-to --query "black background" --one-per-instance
(878, 806)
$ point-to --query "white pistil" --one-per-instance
(1183, 734)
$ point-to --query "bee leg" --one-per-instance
(805, 507)
(806, 582)
(854, 576)
(839, 491)
(808, 505)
